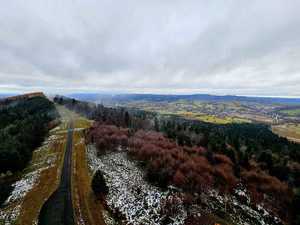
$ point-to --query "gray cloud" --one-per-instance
(220, 47)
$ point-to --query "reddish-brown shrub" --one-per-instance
(220, 158)
(107, 136)
(179, 179)
(225, 177)
(187, 167)
(167, 163)
(259, 182)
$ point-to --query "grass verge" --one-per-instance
(87, 207)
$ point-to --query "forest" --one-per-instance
(197, 156)
(23, 126)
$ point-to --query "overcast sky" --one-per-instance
(162, 46)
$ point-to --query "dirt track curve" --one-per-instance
(58, 209)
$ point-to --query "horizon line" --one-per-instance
(153, 93)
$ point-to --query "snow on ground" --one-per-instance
(132, 196)
(9, 215)
(22, 186)
(108, 219)
(78, 129)
(239, 208)
(12, 205)
(81, 141)
(141, 203)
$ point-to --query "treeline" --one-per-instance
(241, 142)
(23, 126)
(203, 155)
(193, 169)
(121, 117)
(190, 168)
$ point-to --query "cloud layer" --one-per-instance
(171, 46)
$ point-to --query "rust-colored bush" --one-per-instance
(179, 179)
(185, 167)
(166, 162)
(220, 158)
(259, 183)
(107, 137)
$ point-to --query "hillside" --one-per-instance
(24, 123)
(6, 100)
(207, 108)
(171, 98)
(220, 163)
(120, 165)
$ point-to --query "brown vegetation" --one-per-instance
(86, 206)
(48, 182)
(275, 194)
(166, 162)
(194, 169)
(108, 136)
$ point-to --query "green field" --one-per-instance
(291, 112)
(213, 119)
(290, 131)
(203, 111)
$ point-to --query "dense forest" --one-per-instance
(23, 126)
(196, 156)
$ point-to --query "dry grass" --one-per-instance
(86, 206)
(290, 131)
(49, 178)
(48, 182)
(82, 123)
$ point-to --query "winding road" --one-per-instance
(58, 209)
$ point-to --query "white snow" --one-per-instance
(243, 213)
(9, 215)
(78, 129)
(13, 203)
(22, 186)
(109, 220)
(141, 203)
(132, 196)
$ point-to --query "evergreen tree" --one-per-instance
(98, 183)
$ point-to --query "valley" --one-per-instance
(140, 112)
(261, 167)
(159, 168)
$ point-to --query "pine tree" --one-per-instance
(98, 183)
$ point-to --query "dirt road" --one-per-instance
(58, 209)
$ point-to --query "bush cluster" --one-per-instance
(166, 162)
(186, 167)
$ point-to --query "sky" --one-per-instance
(160, 46)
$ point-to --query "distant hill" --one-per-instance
(95, 97)
(5, 95)
(9, 99)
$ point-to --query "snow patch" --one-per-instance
(139, 202)
(12, 206)
(23, 186)
(9, 215)
(129, 194)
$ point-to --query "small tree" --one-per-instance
(127, 119)
(98, 183)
